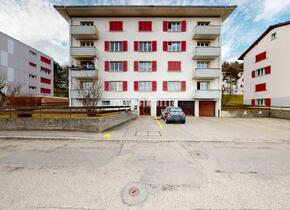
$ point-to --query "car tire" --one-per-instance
(166, 121)
(183, 122)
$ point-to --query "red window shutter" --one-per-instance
(125, 85)
(154, 65)
(107, 85)
(183, 85)
(116, 26)
(253, 74)
(268, 70)
(183, 25)
(164, 85)
(145, 25)
(107, 46)
(135, 46)
(253, 102)
(165, 25)
(154, 46)
(136, 66)
(125, 65)
(125, 45)
(261, 56)
(165, 46)
(45, 60)
(149, 26)
(260, 87)
(183, 46)
(174, 65)
(268, 102)
(178, 67)
(107, 65)
(154, 85)
(136, 86)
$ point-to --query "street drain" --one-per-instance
(199, 154)
(147, 133)
(134, 194)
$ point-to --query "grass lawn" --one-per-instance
(232, 100)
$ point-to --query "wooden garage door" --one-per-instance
(187, 107)
(207, 108)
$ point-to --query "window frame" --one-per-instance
(174, 26)
(170, 47)
(148, 86)
(173, 86)
(116, 88)
(116, 46)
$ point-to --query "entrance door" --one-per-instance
(162, 105)
(207, 108)
(187, 107)
(145, 108)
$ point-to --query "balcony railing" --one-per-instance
(81, 32)
(206, 32)
(83, 52)
(82, 73)
(206, 73)
(207, 94)
(208, 53)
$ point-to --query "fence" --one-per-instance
(60, 111)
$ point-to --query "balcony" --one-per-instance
(84, 73)
(83, 52)
(206, 53)
(206, 32)
(207, 94)
(206, 73)
(80, 32)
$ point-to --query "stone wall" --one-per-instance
(245, 113)
(95, 124)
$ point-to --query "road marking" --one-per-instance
(158, 122)
(107, 135)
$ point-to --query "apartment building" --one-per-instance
(25, 66)
(148, 57)
(266, 68)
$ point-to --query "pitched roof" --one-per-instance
(270, 28)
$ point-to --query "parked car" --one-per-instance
(173, 114)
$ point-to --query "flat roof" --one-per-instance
(143, 11)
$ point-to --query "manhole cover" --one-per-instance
(147, 133)
(134, 194)
(199, 154)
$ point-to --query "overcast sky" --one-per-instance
(36, 23)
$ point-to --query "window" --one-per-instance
(202, 64)
(116, 26)
(45, 90)
(202, 44)
(32, 53)
(116, 46)
(145, 86)
(87, 65)
(260, 72)
(32, 64)
(45, 70)
(44, 80)
(116, 86)
(260, 102)
(203, 23)
(174, 26)
(145, 46)
(145, 26)
(116, 66)
(86, 84)
(174, 86)
(45, 60)
(202, 85)
(87, 23)
(261, 56)
(32, 88)
(32, 76)
(105, 103)
(174, 65)
(145, 66)
(87, 44)
(174, 46)
(126, 103)
(273, 36)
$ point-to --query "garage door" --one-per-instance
(207, 108)
(187, 107)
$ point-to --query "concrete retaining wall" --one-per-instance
(246, 114)
(281, 114)
(96, 124)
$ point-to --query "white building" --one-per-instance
(237, 89)
(25, 66)
(266, 68)
(149, 57)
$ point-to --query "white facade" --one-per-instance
(23, 65)
(237, 89)
(272, 71)
(186, 97)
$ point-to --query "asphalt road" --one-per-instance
(143, 175)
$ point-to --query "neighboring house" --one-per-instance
(148, 57)
(267, 68)
(23, 65)
(237, 89)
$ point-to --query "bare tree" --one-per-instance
(7, 90)
(231, 74)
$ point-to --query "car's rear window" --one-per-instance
(176, 110)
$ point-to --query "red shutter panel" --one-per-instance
(125, 45)
(120, 26)
(154, 86)
(268, 70)
(164, 85)
(183, 85)
(260, 87)
(165, 47)
(141, 26)
(268, 102)
(183, 25)
(253, 102)
(154, 65)
(107, 46)
(178, 67)
(107, 85)
(136, 66)
(183, 46)
(154, 46)
(261, 56)
(149, 26)
(165, 25)
(253, 74)
(125, 65)
(135, 46)
(125, 85)
(107, 65)
(136, 86)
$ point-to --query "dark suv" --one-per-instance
(173, 114)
